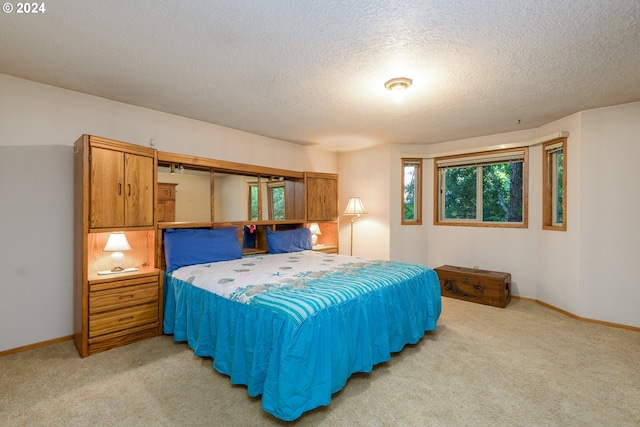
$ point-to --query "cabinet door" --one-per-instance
(322, 202)
(138, 180)
(107, 188)
(315, 195)
(330, 205)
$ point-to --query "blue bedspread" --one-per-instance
(297, 335)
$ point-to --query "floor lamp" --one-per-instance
(355, 208)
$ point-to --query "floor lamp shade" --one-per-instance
(354, 208)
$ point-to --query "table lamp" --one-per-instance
(117, 243)
(315, 231)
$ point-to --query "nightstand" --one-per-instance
(123, 308)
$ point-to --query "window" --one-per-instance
(411, 191)
(276, 200)
(554, 192)
(484, 189)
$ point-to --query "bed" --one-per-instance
(293, 325)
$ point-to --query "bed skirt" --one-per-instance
(297, 367)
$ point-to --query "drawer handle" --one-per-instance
(124, 319)
(126, 296)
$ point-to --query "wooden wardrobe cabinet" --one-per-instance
(114, 188)
(322, 196)
(120, 186)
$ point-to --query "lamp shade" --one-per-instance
(355, 207)
(117, 242)
(315, 228)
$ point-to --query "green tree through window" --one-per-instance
(554, 185)
(460, 193)
(487, 188)
(253, 202)
(559, 187)
(412, 191)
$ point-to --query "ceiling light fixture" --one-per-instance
(397, 86)
(398, 83)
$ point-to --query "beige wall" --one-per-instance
(38, 125)
(365, 174)
(588, 270)
(609, 202)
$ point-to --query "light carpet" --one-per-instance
(525, 365)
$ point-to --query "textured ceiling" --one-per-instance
(312, 71)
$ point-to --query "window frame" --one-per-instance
(549, 180)
(479, 159)
(417, 190)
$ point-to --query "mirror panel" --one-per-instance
(251, 198)
(257, 199)
(236, 197)
(231, 197)
(192, 193)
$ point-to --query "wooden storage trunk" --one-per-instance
(470, 284)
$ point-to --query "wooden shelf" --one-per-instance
(328, 249)
(252, 251)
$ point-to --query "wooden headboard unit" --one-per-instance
(322, 195)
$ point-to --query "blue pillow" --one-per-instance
(188, 246)
(280, 242)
